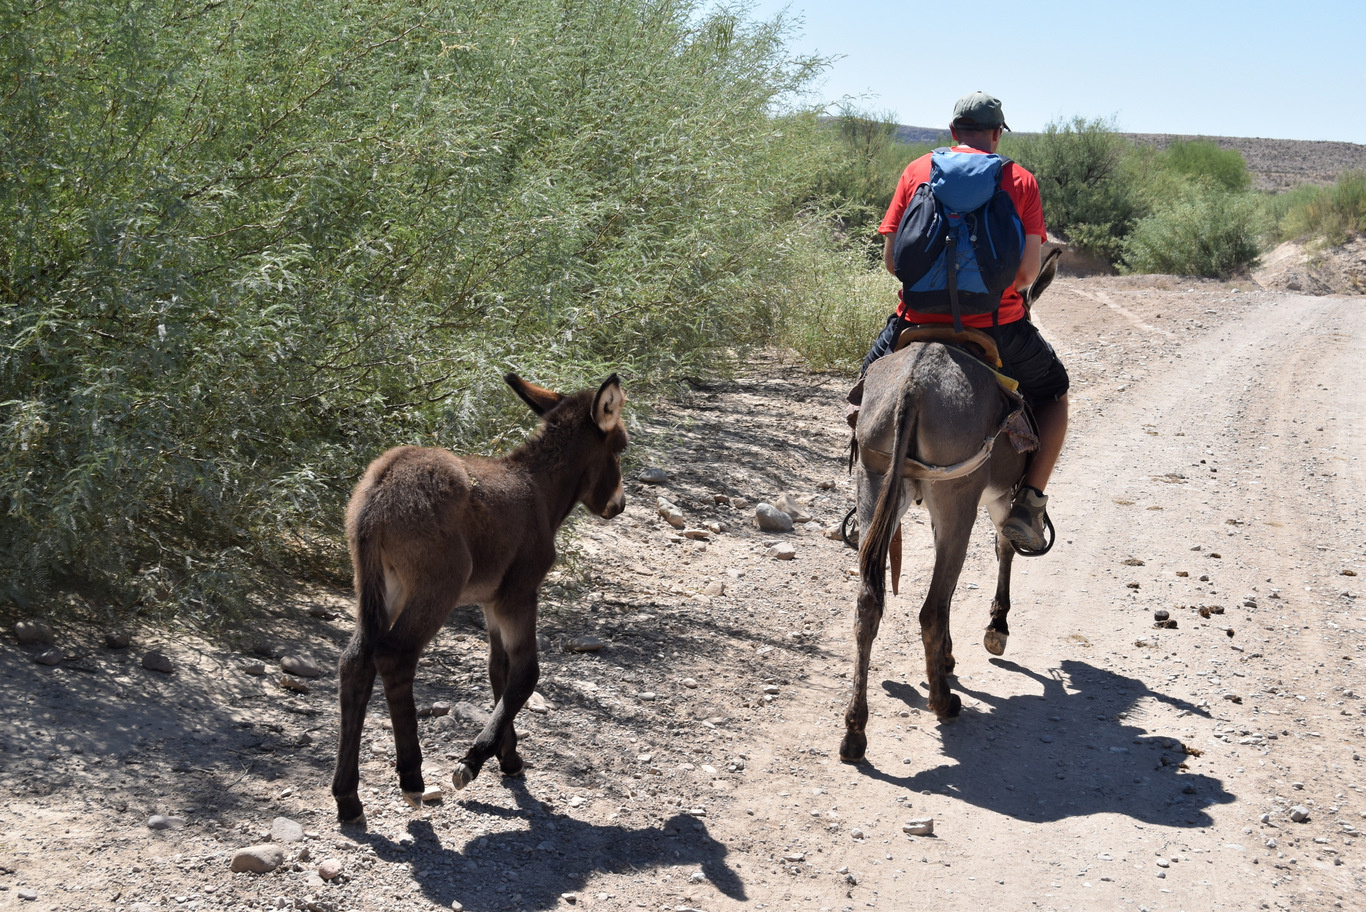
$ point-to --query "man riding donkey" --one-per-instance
(931, 297)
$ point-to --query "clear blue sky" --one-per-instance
(1285, 70)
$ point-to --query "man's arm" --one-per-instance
(887, 241)
(1030, 262)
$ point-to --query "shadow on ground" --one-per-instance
(559, 853)
(1067, 753)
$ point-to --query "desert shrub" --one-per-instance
(250, 245)
(833, 303)
(1203, 160)
(863, 161)
(1089, 194)
(1201, 231)
(1330, 214)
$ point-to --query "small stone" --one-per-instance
(653, 475)
(117, 639)
(255, 669)
(697, 534)
(856, 833)
(923, 826)
(672, 515)
(585, 643)
(781, 551)
(1161, 614)
(771, 519)
(294, 684)
(697, 877)
(789, 505)
(50, 657)
(714, 589)
(539, 704)
(794, 857)
(257, 859)
(302, 666)
(570, 898)
(282, 829)
(34, 633)
(433, 794)
(771, 688)
(1299, 813)
(330, 869)
(689, 683)
(156, 661)
(160, 822)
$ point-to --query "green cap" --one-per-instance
(979, 110)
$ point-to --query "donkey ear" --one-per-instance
(607, 404)
(539, 398)
(1046, 274)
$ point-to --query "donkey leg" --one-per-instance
(397, 668)
(356, 671)
(869, 617)
(998, 631)
(499, 667)
(514, 666)
(952, 513)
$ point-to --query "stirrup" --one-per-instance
(1050, 536)
(844, 529)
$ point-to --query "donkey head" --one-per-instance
(600, 437)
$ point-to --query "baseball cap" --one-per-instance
(979, 110)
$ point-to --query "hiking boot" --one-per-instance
(1024, 528)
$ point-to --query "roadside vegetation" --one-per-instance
(249, 246)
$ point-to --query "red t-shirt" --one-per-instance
(1024, 192)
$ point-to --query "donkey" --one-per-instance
(927, 432)
(429, 530)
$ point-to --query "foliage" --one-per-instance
(1203, 160)
(250, 245)
(833, 304)
(864, 161)
(1204, 231)
(1089, 195)
(1332, 214)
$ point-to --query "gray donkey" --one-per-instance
(929, 431)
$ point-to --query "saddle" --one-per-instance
(973, 341)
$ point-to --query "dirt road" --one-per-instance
(1215, 462)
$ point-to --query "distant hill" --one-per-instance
(1275, 164)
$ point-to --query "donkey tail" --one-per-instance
(372, 611)
(877, 541)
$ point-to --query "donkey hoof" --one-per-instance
(414, 799)
(513, 767)
(463, 775)
(995, 642)
(954, 706)
(349, 810)
(853, 749)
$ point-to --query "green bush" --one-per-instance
(1203, 160)
(1331, 214)
(1090, 196)
(249, 246)
(1204, 231)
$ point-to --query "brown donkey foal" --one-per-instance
(430, 530)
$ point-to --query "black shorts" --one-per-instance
(1032, 361)
(1026, 356)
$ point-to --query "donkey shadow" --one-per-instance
(1066, 753)
(530, 868)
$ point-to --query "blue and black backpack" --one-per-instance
(960, 241)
